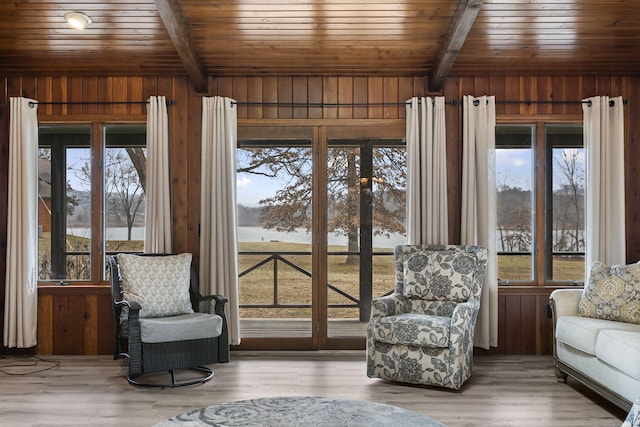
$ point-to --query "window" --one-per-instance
(540, 203)
(91, 197)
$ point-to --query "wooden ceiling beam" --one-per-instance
(180, 34)
(461, 25)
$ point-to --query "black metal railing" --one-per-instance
(279, 257)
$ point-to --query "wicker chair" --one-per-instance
(155, 343)
(423, 332)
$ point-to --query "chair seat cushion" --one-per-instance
(184, 327)
(413, 329)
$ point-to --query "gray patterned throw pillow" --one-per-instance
(160, 284)
(439, 275)
(612, 293)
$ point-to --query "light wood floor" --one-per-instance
(93, 391)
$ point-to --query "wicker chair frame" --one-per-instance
(145, 358)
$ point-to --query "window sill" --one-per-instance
(73, 289)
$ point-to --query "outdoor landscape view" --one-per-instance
(366, 202)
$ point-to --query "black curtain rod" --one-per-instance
(383, 104)
(33, 104)
(476, 102)
(328, 104)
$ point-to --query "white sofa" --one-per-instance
(602, 354)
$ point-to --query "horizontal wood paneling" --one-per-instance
(78, 319)
(376, 37)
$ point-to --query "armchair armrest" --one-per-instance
(132, 312)
(386, 306)
(215, 304)
(463, 319)
(564, 302)
(211, 304)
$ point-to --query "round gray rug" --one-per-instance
(301, 411)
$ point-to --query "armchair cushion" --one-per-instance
(159, 284)
(192, 326)
(612, 293)
(413, 329)
(439, 275)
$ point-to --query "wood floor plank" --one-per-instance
(92, 391)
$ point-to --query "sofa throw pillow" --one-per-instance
(160, 284)
(439, 275)
(612, 293)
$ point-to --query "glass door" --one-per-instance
(275, 205)
(320, 209)
(366, 188)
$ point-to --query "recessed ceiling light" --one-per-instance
(77, 19)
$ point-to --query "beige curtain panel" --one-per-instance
(218, 240)
(603, 136)
(427, 213)
(479, 211)
(157, 220)
(21, 292)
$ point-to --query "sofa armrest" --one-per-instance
(564, 302)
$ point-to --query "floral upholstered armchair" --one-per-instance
(423, 332)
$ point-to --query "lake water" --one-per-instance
(259, 234)
(250, 234)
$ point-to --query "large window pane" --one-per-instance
(274, 189)
(91, 197)
(366, 220)
(124, 191)
(566, 230)
(514, 179)
(64, 203)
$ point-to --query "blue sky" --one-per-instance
(513, 167)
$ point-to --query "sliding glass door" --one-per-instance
(366, 185)
(320, 209)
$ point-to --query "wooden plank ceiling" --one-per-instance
(437, 38)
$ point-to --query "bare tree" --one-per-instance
(568, 202)
(514, 218)
(290, 207)
(124, 188)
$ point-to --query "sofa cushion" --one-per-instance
(413, 329)
(612, 293)
(160, 284)
(582, 332)
(439, 275)
(185, 327)
(620, 349)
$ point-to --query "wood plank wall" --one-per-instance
(77, 320)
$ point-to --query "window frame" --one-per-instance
(97, 146)
(542, 167)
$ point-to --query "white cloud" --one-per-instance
(243, 182)
(513, 157)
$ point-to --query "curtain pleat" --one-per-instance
(478, 213)
(21, 288)
(157, 220)
(427, 213)
(605, 195)
(218, 240)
